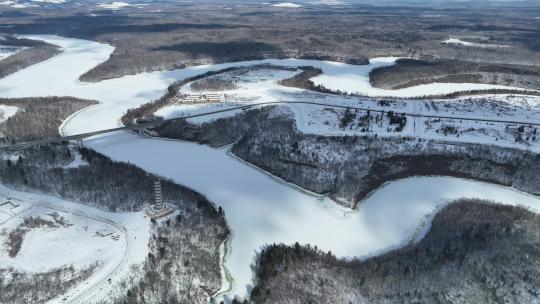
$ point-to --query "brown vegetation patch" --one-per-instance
(16, 236)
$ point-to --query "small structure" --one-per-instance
(159, 209)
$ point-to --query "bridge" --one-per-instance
(143, 127)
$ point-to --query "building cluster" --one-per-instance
(198, 98)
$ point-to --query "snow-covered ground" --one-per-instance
(325, 120)
(258, 209)
(29, 3)
(6, 51)
(6, 112)
(114, 5)
(80, 243)
(115, 241)
(262, 86)
(50, 1)
(473, 44)
(17, 4)
(287, 5)
(252, 87)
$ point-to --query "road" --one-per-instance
(154, 124)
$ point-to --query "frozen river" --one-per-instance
(258, 209)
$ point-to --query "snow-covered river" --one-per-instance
(259, 209)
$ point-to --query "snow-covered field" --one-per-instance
(114, 5)
(6, 51)
(29, 3)
(6, 112)
(17, 4)
(81, 241)
(287, 5)
(258, 209)
(473, 44)
(114, 241)
(325, 120)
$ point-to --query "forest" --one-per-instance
(183, 265)
(410, 72)
(302, 80)
(213, 84)
(22, 287)
(36, 51)
(167, 35)
(475, 252)
(38, 117)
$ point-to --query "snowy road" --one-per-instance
(259, 210)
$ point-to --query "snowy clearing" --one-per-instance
(16, 4)
(114, 5)
(287, 5)
(259, 210)
(80, 242)
(115, 241)
(6, 51)
(50, 1)
(252, 87)
(326, 120)
(473, 44)
(6, 112)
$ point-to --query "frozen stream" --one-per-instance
(259, 209)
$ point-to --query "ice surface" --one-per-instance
(259, 210)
